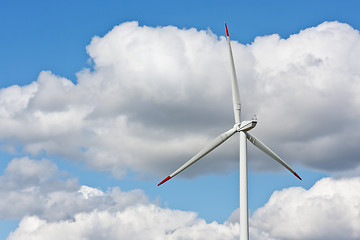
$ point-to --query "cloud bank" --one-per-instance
(143, 222)
(52, 205)
(155, 96)
(329, 210)
(33, 187)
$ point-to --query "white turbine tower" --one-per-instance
(243, 129)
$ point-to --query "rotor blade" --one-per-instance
(234, 83)
(268, 151)
(208, 148)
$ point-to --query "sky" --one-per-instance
(101, 100)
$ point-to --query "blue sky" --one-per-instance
(42, 40)
(47, 25)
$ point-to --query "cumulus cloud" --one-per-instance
(155, 96)
(33, 187)
(142, 222)
(328, 210)
(302, 82)
(53, 206)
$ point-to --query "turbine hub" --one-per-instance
(246, 125)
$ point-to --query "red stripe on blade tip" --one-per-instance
(297, 176)
(167, 178)
(227, 32)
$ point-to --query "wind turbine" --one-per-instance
(243, 128)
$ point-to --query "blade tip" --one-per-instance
(297, 176)
(167, 178)
(227, 32)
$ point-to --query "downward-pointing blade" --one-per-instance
(269, 152)
(208, 148)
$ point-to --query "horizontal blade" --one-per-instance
(208, 148)
(268, 151)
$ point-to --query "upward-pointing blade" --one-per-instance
(268, 151)
(234, 84)
(208, 148)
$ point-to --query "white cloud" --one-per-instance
(309, 86)
(53, 206)
(329, 210)
(33, 187)
(141, 222)
(155, 96)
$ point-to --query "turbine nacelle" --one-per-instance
(246, 125)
